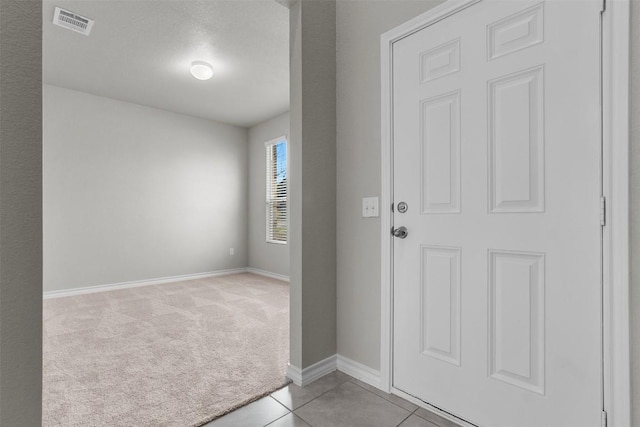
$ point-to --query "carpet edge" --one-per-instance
(244, 403)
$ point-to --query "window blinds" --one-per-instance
(277, 191)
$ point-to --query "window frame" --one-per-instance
(268, 199)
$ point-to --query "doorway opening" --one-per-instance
(155, 262)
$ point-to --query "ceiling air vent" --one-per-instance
(71, 21)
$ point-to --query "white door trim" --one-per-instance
(617, 356)
(617, 390)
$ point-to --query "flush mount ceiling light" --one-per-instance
(201, 70)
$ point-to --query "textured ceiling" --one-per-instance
(140, 51)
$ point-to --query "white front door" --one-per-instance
(497, 155)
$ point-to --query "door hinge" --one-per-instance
(603, 211)
(604, 419)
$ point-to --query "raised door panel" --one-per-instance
(440, 301)
(516, 310)
(516, 142)
(516, 32)
(440, 130)
(440, 61)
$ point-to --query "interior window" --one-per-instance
(276, 154)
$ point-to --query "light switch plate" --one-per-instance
(369, 207)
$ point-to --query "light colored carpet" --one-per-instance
(178, 354)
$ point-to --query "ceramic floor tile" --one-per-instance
(290, 420)
(435, 419)
(416, 421)
(294, 397)
(328, 382)
(256, 414)
(349, 405)
(342, 375)
(390, 397)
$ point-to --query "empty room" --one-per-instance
(165, 255)
(456, 182)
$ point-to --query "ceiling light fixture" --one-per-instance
(201, 70)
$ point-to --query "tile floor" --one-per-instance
(336, 400)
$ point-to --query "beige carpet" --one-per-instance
(178, 354)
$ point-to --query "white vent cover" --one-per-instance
(71, 21)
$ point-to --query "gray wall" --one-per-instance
(635, 210)
(295, 190)
(134, 193)
(264, 256)
(359, 26)
(20, 213)
(312, 148)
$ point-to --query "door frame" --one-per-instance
(615, 169)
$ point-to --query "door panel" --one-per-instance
(440, 310)
(497, 294)
(516, 142)
(440, 138)
(516, 315)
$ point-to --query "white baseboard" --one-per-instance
(311, 373)
(138, 283)
(344, 364)
(359, 371)
(268, 274)
(294, 374)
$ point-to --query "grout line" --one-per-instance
(351, 380)
(307, 422)
(405, 419)
(321, 394)
(388, 400)
(278, 418)
(437, 424)
(280, 403)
